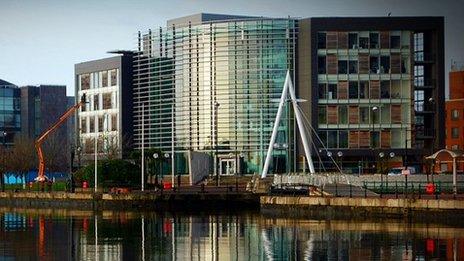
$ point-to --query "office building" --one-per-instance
(376, 89)
(10, 112)
(208, 82)
(41, 107)
(107, 115)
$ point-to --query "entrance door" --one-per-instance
(227, 167)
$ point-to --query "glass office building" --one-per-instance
(10, 112)
(208, 83)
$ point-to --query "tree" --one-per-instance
(22, 157)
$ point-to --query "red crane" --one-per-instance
(43, 136)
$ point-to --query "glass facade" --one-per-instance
(365, 84)
(211, 87)
(10, 113)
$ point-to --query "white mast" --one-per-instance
(288, 88)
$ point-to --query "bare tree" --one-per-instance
(22, 157)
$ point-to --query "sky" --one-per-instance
(40, 41)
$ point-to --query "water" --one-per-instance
(108, 235)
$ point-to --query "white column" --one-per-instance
(143, 147)
(173, 163)
(96, 153)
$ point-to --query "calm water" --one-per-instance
(82, 235)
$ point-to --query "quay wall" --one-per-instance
(332, 207)
(97, 201)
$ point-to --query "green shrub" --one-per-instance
(114, 172)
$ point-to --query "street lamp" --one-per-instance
(340, 155)
(155, 156)
(216, 106)
(2, 179)
(373, 145)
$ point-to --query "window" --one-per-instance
(385, 64)
(95, 103)
(395, 41)
(374, 40)
(385, 89)
(419, 100)
(83, 125)
(343, 114)
(375, 139)
(353, 90)
(419, 46)
(100, 123)
(322, 91)
(353, 40)
(364, 90)
(342, 67)
(106, 101)
(332, 94)
(353, 66)
(364, 115)
(92, 125)
(323, 137)
(322, 115)
(419, 79)
(455, 114)
(85, 81)
(105, 79)
(321, 65)
(321, 40)
(363, 42)
(113, 74)
(332, 139)
(374, 64)
(455, 133)
(343, 139)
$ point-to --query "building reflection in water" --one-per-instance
(155, 236)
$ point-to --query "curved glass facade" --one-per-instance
(211, 87)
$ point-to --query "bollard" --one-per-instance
(420, 191)
(202, 187)
(351, 191)
(365, 191)
(396, 189)
(336, 190)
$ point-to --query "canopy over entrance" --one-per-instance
(454, 154)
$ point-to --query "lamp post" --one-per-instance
(373, 145)
(340, 159)
(96, 154)
(216, 106)
(381, 155)
(155, 157)
(432, 146)
(2, 179)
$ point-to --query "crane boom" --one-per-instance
(45, 134)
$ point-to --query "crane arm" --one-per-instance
(44, 135)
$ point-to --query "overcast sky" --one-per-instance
(40, 41)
